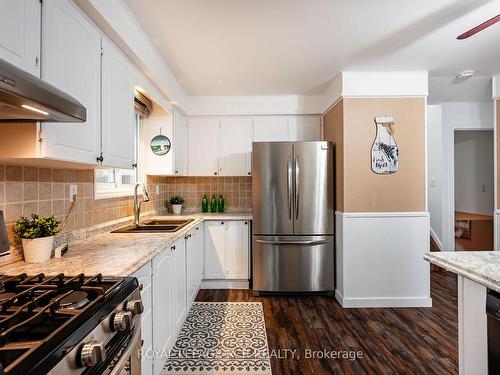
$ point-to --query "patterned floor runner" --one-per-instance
(221, 338)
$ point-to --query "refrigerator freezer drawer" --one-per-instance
(293, 263)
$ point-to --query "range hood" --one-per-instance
(24, 97)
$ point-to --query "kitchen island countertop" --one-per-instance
(482, 267)
(116, 254)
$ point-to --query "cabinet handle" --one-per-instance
(141, 287)
(246, 222)
(222, 223)
(36, 61)
(176, 172)
(134, 165)
(215, 173)
(100, 158)
(249, 173)
(197, 228)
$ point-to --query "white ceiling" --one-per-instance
(451, 89)
(270, 47)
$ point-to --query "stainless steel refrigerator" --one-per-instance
(293, 217)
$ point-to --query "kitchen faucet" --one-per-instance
(137, 204)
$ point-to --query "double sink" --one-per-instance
(155, 226)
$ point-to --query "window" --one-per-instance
(114, 182)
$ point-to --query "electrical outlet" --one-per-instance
(157, 189)
(73, 192)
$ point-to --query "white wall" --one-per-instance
(151, 163)
(474, 172)
(385, 266)
(454, 116)
(434, 170)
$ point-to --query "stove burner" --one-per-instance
(5, 296)
(74, 300)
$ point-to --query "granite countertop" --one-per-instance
(116, 254)
(482, 267)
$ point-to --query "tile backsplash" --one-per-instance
(237, 191)
(45, 191)
(25, 190)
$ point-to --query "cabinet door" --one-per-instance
(163, 305)
(144, 278)
(270, 129)
(191, 264)
(203, 146)
(200, 246)
(20, 34)
(72, 63)
(237, 245)
(235, 146)
(180, 144)
(118, 129)
(215, 250)
(305, 128)
(179, 281)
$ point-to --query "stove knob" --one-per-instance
(92, 354)
(122, 321)
(135, 307)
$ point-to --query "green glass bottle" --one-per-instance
(213, 204)
(221, 203)
(204, 204)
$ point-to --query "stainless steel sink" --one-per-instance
(155, 226)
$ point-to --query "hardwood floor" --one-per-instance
(394, 340)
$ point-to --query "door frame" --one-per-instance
(448, 192)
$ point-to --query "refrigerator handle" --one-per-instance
(297, 173)
(277, 242)
(289, 187)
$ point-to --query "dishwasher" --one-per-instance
(493, 313)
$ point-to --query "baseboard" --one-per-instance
(225, 284)
(382, 302)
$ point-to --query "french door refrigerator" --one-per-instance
(293, 217)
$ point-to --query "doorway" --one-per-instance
(474, 189)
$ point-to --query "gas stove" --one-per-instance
(69, 324)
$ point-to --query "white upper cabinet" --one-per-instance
(270, 128)
(180, 144)
(235, 146)
(305, 128)
(118, 128)
(203, 140)
(20, 34)
(72, 63)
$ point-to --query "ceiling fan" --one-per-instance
(479, 28)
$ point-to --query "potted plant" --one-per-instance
(37, 235)
(176, 201)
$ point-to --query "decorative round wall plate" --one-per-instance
(160, 144)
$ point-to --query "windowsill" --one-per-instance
(113, 194)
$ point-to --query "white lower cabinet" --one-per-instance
(227, 250)
(163, 306)
(180, 301)
(144, 277)
(194, 262)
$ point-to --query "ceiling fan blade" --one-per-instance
(480, 27)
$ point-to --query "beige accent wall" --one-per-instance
(358, 188)
(333, 130)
